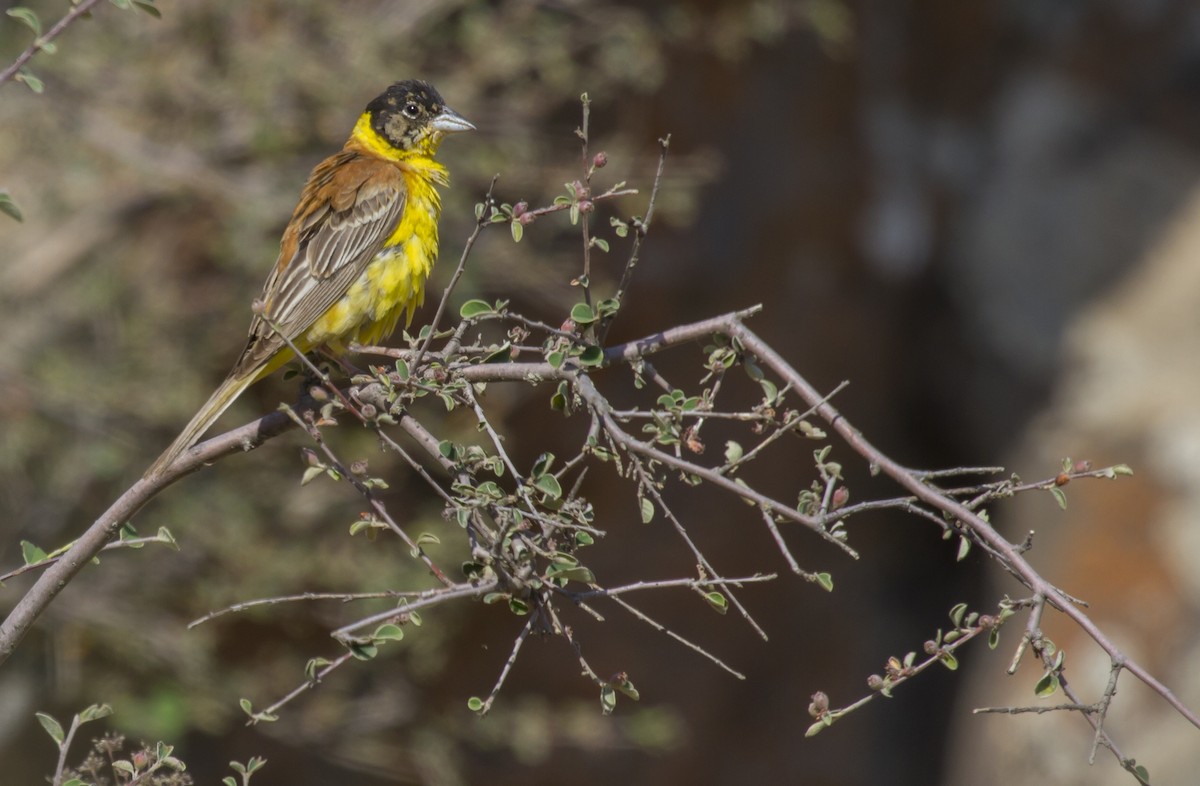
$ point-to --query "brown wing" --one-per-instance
(350, 206)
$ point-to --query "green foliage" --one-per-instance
(9, 207)
(108, 761)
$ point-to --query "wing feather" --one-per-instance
(350, 206)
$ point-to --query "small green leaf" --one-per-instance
(647, 508)
(1123, 469)
(733, 452)
(825, 581)
(32, 554)
(580, 574)
(583, 539)
(1060, 496)
(600, 243)
(548, 485)
(591, 356)
(1047, 685)
(964, 548)
(518, 229)
(165, 537)
(402, 370)
(816, 729)
(608, 699)
(518, 607)
(556, 358)
(313, 666)
(388, 632)
(77, 782)
(95, 712)
(146, 7)
(558, 401)
(948, 660)
(122, 765)
(52, 727)
(718, 601)
(311, 474)
(1142, 774)
(31, 81)
(9, 207)
(475, 308)
(957, 613)
(28, 17)
(362, 651)
(626, 687)
(582, 314)
(608, 307)
(475, 704)
(542, 464)
(993, 638)
(499, 354)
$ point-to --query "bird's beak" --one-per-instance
(451, 122)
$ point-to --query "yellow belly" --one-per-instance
(393, 283)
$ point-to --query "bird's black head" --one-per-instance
(412, 116)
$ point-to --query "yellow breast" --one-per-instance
(393, 284)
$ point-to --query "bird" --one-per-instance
(357, 251)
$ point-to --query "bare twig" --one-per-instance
(641, 229)
(508, 663)
(303, 596)
(481, 223)
(300, 689)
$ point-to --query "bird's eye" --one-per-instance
(411, 110)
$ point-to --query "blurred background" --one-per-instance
(984, 215)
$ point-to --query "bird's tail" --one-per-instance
(217, 403)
